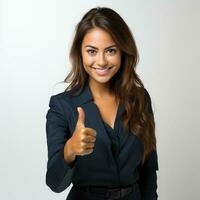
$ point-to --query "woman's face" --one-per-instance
(101, 57)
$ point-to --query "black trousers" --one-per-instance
(76, 194)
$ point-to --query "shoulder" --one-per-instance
(62, 100)
(148, 100)
(64, 96)
(147, 96)
(62, 103)
(146, 93)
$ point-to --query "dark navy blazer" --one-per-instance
(102, 167)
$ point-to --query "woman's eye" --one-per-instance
(91, 51)
(112, 51)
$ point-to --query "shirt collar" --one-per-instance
(82, 95)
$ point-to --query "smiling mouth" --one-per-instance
(107, 68)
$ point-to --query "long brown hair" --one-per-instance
(126, 84)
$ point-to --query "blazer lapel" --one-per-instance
(84, 98)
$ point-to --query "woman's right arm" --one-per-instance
(61, 162)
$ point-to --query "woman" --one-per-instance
(101, 129)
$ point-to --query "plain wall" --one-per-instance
(35, 41)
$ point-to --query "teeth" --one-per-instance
(103, 69)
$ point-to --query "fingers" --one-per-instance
(88, 151)
(88, 146)
(81, 122)
(89, 139)
(90, 132)
(83, 138)
(81, 117)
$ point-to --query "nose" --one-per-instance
(101, 60)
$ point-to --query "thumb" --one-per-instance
(81, 117)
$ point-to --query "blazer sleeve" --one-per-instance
(148, 174)
(59, 172)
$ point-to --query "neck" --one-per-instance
(100, 90)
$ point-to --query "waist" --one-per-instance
(110, 192)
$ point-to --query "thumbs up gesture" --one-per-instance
(83, 139)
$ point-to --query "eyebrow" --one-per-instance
(114, 45)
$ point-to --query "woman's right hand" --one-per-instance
(83, 139)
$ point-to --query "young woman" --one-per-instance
(101, 129)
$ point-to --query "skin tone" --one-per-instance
(98, 51)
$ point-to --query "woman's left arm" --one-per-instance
(147, 171)
(148, 177)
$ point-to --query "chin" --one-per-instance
(102, 80)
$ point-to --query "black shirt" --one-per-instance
(148, 175)
(116, 158)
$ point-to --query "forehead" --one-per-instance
(97, 37)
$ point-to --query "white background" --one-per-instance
(35, 41)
